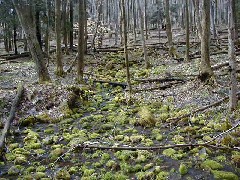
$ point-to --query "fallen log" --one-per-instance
(16, 102)
(114, 84)
(16, 56)
(218, 66)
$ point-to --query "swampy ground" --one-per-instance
(57, 124)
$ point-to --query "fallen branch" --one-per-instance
(157, 147)
(176, 119)
(16, 102)
(218, 66)
(123, 85)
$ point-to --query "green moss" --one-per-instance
(30, 169)
(146, 117)
(56, 153)
(145, 175)
(148, 142)
(20, 159)
(236, 159)
(119, 137)
(125, 155)
(108, 176)
(183, 169)
(224, 175)
(221, 158)
(13, 146)
(41, 168)
(15, 170)
(169, 152)
(39, 175)
(164, 175)
(73, 170)
(63, 174)
(211, 165)
(31, 145)
(136, 138)
(178, 139)
(49, 131)
(148, 166)
(106, 127)
(94, 135)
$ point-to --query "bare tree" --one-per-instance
(147, 64)
(80, 64)
(59, 70)
(187, 31)
(124, 25)
(169, 28)
(25, 16)
(232, 57)
(206, 71)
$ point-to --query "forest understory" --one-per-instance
(174, 126)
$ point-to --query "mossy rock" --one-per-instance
(136, 138)
(41, 169)
(236, 159)
(13, 146)
(106, 127)
(49, 131)
(211, 165)
(224, 175)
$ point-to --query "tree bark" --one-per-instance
(187, 31)
(23, 10)
(205, 68)
(59, 70)
(232, 58)
(169, 28)
(80, 64)
(124, 25)
(147, 64)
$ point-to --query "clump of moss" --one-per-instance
(62, 174)
(56, 153)
(15, 170)
(224, 175)
(163, 175)
(146, 117)
(236, 159)
(136, 138)
(145, 175)
(183, 169)
(211, 165)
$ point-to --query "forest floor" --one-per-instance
(64, 130)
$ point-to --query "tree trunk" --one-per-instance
(187, 31)
(24, 14)
(169, 28)
(71, 24)
(124, 25)
(147, 64)
(205, 69)
(232, 58)
(80, 64)
(145, 18)
(46, 50)
(38, 26)
(59, 70)
(212, 11)
(64, 25)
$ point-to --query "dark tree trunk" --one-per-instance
(38, 27)
(71, 24)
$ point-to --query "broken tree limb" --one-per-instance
(177, 119)
(11, 116)
(218, 66)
